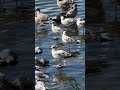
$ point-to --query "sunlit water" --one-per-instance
(75, 66)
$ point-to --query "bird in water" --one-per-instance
(67, 21)
(59, 53)
(41, 17)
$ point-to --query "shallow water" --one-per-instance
(75, 66)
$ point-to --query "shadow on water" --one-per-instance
(16, 33)
(102, 58)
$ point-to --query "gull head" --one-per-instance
(53, 22)
(75, 4)
(38, 10)
(53, 47)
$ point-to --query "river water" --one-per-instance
(75, 66)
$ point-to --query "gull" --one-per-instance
(72, 11)
(41, 17)
(41, 74)
(36, 20)
(80, 22)
(56, 18)
(58, 53)
(40, 85)
(68, 40)
(56, 28)
(67, 21)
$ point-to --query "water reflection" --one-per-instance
(101, 61)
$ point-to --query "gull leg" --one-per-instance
(69, 47)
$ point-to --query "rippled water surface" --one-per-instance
(16, 34)
(75, 66)
(106, 76)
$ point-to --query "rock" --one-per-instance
(8, 57)
(24, 83)
(57, 78)
(38, 50)
(40, 74)
(37, 68)
(42, 62)
(59, 67)
(37, 78)
(6, 84)
(105, 37)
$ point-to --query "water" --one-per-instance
(107, 75)
(16, 34)
(75, 66)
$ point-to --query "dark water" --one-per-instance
(16, 34)
(75, 66)
(107, 76)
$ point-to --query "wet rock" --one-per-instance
(61, 77)
(41, 32)
(101, 37)
(37, 67)
(42, 62)
(59, 67)
(38, 50)
(8, 57)
(41, 75)
(6, 84)
(17, 84)
(24, 83)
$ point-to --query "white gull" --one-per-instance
(58, 53)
